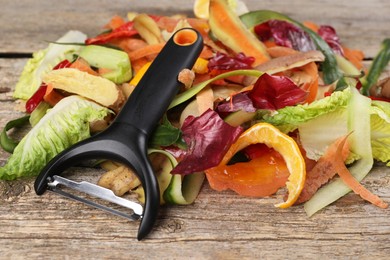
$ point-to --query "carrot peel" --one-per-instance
(351, 182)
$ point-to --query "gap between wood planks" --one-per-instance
(15, 55)
(24, 55)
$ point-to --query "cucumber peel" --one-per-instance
(177, 189)
(7, 143)
(108, 58)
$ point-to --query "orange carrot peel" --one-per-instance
(347, 177)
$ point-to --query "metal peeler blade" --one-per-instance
(126, 139)
(96, 191)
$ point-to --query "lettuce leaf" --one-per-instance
(43, 61)
(380, 131)
(289, 118)
(358, 111)
(64, 125)
(316, 133)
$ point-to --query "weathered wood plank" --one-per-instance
(218, 225)
(27, 26)
(208, 229)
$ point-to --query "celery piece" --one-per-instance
(116, 61)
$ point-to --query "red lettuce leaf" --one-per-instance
(222, 61)
(275, 92)
(240, 101)
(328, 33)
(208, 138)
(285, 34)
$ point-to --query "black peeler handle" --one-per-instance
(155, 91)
(126, 139)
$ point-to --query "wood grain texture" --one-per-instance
(218, 225)
(27, 25)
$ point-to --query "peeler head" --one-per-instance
(126, 139)
(111, 145)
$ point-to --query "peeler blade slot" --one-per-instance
(96, 191)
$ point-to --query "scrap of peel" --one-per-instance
(94, 190)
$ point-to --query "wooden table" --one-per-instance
(218, 225)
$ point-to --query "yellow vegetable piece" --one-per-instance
(140, 74)
(200, 66)
(282, 143)
(98, 89)
(201, 9)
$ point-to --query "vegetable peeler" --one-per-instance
(126, 139)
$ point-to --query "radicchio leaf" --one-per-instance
(285, 34)
(222, 61)
(208, 138)
(240, 101)
(276, 92)
(328, 33)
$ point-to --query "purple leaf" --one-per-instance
(240, 101)
(328, 33)
(285, 34)
(275, 92)
(208, 138)
(222, 61)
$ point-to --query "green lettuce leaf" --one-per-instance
(323, 121)
(44, 60)
(359, 125)
(289, 118)
(64, 125)
(380, 131)
(317, 134)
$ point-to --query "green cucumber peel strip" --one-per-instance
(360, 144)
(103, 57)
(186, 95)
(7, 143)
(38, 113)
(181, 190)
(165, 176)
(378, 65)
(329, 66)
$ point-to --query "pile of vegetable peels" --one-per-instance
(270, 103)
